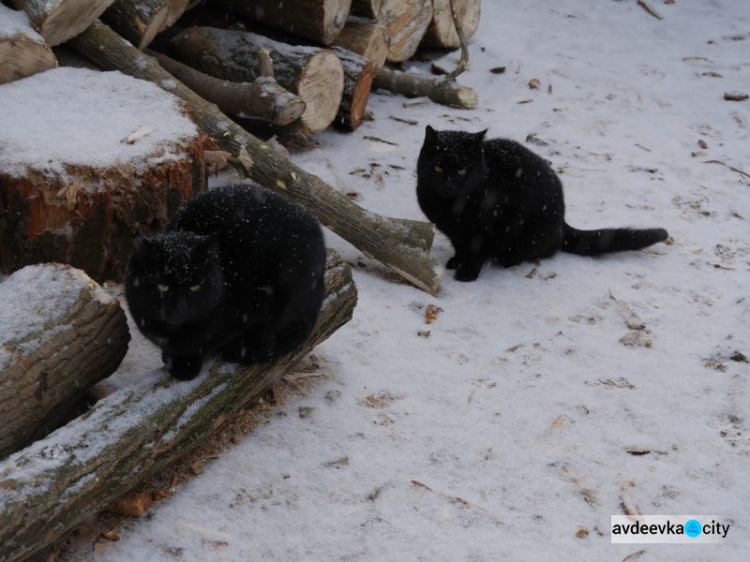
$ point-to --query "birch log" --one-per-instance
(139, 21)
(369, 39)
(446, 92)
(319, 20)
(442, 31)
(314, 75)
(394, 242)
(57, 483)
(358, 75)
(23, 52)
(61, 20)
(407, 22)
(60, 334)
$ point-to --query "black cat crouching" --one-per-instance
(238, 271)
(497, 200)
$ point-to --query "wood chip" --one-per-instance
(431, 313)
(132, 504)
(498, 70)
(135, 135)
(534, 84)
(582, 533)
(736, 96)
(305, 411)
(338, 463)
(643, 4)
(111, 536)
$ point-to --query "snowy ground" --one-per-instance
(514, 423)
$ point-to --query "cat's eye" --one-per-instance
(195, 288)
(163, 288)
(462, 172)
(438, 169)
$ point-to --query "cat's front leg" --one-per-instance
(183, 367)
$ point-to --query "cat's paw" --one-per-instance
(452, 263)
(466, 273)
(183, 368)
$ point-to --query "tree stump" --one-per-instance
(442, 30)
(369, 39)
(407, 22)
(319, 20)
(61, 20)
(139, 21)
(23, 52)
(60, 333)
(90, 160)
(57, 483)
(315, 75)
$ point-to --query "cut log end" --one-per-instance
(60, 21)
(21, 56)
(442, 31)
(320, 87)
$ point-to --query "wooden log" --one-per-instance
(60, 334)
(313, 74)
(111, 157)
(263, 98)
(407, 22)
(61, 20)
(395, 243)
(366, 8)
(23, 52)
(57, 483)
(358, 75)
(319, 20)
(446, 92)
(366, 38)
(442, 31)
(139, 21)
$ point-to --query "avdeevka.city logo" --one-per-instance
(678, 529)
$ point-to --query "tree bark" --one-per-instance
(62, 20)
(365, 38)
(446, 92)
(358, 75)
(263, 98)
(139, 21)
(61, 334)
(392, 242)
(313, 74)
(23, 52)
(59, 482)
(366, 8)
(442, 30)
(81, 213)
(319, 20)
(407, 22)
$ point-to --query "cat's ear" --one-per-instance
(480, 134)
(140, 244)
(430, 134)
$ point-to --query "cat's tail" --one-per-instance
(596, 242)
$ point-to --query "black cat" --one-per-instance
(239, 270)
(497, 200)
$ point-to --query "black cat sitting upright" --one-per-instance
(496, 200)
(238, 271)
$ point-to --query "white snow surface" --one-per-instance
(15, 22)
(508, 427)
(80, 117)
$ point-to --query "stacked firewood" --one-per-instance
(299, 64)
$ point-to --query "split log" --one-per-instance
(319, 20)
(57, 483)
(23, 52)
(369, 39)
(393, 242)
(407, 22)
(358, 75)
(446, 92)
(366, 8)
(263, 98)
(139, 21)
(313, 74)
(60, 334)
(111, 157)
(61, 20)
(442, 30)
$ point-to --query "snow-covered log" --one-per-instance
(366, 38)
(358, 75)
(446, 92)
(442, 31)
(407, 22)
(23, 52)
(366, 8)
(263, 98)
(59, 482)
(315, 75)
(319, 20)
(401, 245)
(60, 334)
(60, 20)
(139, 21)
(89, 160)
